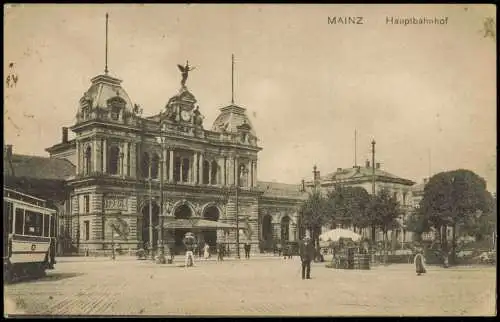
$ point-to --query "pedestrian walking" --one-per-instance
(247, 249)
(206, 251)
(420, 263)
(279, 249)
(189, 242)
(306, 251)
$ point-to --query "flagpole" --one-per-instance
(106, 55)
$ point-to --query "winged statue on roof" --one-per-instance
(185, 72)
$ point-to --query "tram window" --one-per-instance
(33, 223)
(52, 226)
(8, 212)
(6, 218)
(46, 225)
(19, 221)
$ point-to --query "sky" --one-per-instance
(425, 93)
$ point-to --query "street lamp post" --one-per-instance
(237, 216)
(150, 214)
(161, 257)
(241, 171)
(113, 256)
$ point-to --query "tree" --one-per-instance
(348, 205)
(452, 198)
(418, 223)
(482, 226)
(385, 212)
(314, 214)
(359, 201)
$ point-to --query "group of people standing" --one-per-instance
(307, 253)
(190, 244)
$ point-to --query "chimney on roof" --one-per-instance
(64, 135)
(339, 169)
(367, 163)
(377, 165)
(303, 187)
(7, 151)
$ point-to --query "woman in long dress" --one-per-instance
(420, 263)
(206, 250)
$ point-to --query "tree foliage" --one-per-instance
(455, 198)
(482, 225)
(385, 211)
(348, 205)
(314, 213)
(452, 197)
(418, 223)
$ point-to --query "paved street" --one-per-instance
(269, 286)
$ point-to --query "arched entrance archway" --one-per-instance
(145, 224)
(267, 228)
(182, 212)
(266, 233)
(285, 228)
(210, 236)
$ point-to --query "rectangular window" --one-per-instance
(33, 223)
(86, 201)
(177, 169)
(19, 221)
(86, 224)
(46, 225)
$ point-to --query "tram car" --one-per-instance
(29, 236)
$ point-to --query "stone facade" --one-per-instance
(123, 161)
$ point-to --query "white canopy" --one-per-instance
(336, 234)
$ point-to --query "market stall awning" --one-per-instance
(196, 223)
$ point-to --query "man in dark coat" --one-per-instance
(247, 249)
(220, 251)
(306, 251)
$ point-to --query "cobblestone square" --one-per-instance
(269, 286)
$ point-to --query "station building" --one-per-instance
(126, 165)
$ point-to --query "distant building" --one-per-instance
(359, 176)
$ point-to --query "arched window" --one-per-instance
(113, 159)
(145, 165)
(155, 166)
(206, 170)
(213, 173)
(115, 112)
(285, 228)
(88, 160)
(242, 175)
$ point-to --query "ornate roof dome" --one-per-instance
(106, 99)
(104, 89)
(233, 119)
